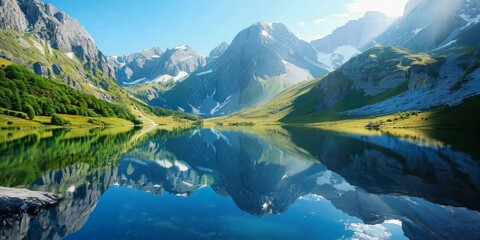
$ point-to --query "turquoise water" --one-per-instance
(124, 213)
(281, 183)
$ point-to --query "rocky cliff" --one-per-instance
(51, 43)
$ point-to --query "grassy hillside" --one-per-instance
(272, 111)
(28, 50)
(324, 101)
(463, 116)
(25, 96)
(338, 92)
(24, 91)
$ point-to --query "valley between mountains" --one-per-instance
(418, 70)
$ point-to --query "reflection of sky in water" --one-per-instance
(207, 184)
(128, 213)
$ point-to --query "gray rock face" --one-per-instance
(68, 215)
(40, 69)
(387, 80)
(58, 29)
(56, 69)
(217, 51)
(11, 16)
(262, 60)
(157, 66)
(360, 34)
(351, 39)
(15, 201)
(121, 61)
(429, 25)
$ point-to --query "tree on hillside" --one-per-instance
(29, 111)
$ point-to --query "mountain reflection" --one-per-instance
(429, 188)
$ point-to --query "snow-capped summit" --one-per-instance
(153, 65)
(261, 61)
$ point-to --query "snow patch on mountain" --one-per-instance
(338, 57)
(181, 47)
(346, 51)
(330, 178)
(446, 45)
(164, 163)
(135, 81)
(418, 30)
(204, 72)
(179, 77)
(426, 98)
(70, 55)
(469, 20)
(266, 34)
(219, 106)
(162, 78)
(195, 111)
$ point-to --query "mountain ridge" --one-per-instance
(261, 61)
(154, 65)
(407, 81)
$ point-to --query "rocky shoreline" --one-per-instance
(16, 201)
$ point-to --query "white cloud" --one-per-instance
(301, 24)
(319, 21)
(368, 232)
(392, 8)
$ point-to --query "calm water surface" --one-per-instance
(279, 183)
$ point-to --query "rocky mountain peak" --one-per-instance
(352, 38)
(219, 50)
(154, 65)
(268, 31)
(50, 24)
(120, 61)
(181, 48)
(56, 28)
(360, 33)
(262, 60)
(449, 23)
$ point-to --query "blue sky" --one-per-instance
(124, 26)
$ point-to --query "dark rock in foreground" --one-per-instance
(15, 201)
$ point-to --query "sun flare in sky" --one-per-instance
(123, 26)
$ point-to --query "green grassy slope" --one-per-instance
(25, 95)
(22, 90)
(26, 49)
(305, 103)
(316, 106)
